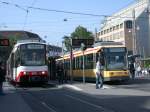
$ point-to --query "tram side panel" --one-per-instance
(115, 61)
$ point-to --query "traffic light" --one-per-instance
(4, 42)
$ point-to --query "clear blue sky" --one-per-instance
(50, 24)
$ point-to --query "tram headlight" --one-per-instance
(43, 72)
(24, 73)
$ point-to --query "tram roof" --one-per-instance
(96, 47)
(20, 42)
(26, 42)
(107, 43)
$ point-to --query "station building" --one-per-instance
(131, 26)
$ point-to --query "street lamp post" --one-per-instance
(83, 65)
(63, 57)
(134, 33)
(71, 61)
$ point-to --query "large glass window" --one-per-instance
(89, 61)
(115, 61)
(33, 55)
(115, 58)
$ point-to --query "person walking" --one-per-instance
(2, 77)
(132, 70)
(137, 69)
(60, 73)
(99, 77)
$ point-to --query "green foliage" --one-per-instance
(79, 33)
(67, 42)
(147, 63)
(82, 33)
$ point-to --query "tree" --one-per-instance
(82, 33)
(67, 42)
(79, 33)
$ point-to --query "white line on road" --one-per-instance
(91, 104)
(72, 87)
(44, 104)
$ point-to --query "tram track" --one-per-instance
(35, 102)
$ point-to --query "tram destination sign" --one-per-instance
(76, 43)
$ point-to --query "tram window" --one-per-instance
(67, 64)
(73, 63)
(76, 62)
(89, 61)
(80, 62)
(17, 58)
(12, 60)
(128, 24)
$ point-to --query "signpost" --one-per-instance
(76, 43)
(4, 42)
(71, 61)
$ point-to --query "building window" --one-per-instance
(129, 24)
(107, 30)
(104, 31)
(111, 29)
(114, 28)
(117, 27)
(121, 25)
(101, 32)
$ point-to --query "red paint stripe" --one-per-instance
(19, 76)
(39, 73)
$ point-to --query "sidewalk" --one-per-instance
(80, 86)
(89, 88)
(11, 101)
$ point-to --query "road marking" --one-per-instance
(91, 104)
(73, 87)
(44, 104)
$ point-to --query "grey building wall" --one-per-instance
(142, 34)
(142, 25)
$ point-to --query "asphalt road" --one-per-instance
(60, 100)
(138, 84)
(125, 97)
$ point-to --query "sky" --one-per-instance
(49, 24)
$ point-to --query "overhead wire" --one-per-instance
(63, 11)
(27, 14)
(27, 8)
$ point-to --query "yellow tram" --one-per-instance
(113, 56)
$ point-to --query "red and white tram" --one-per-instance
(27, 63)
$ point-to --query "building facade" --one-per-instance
(131, 26)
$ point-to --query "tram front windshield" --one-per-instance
(116, 59)
(33, 55)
